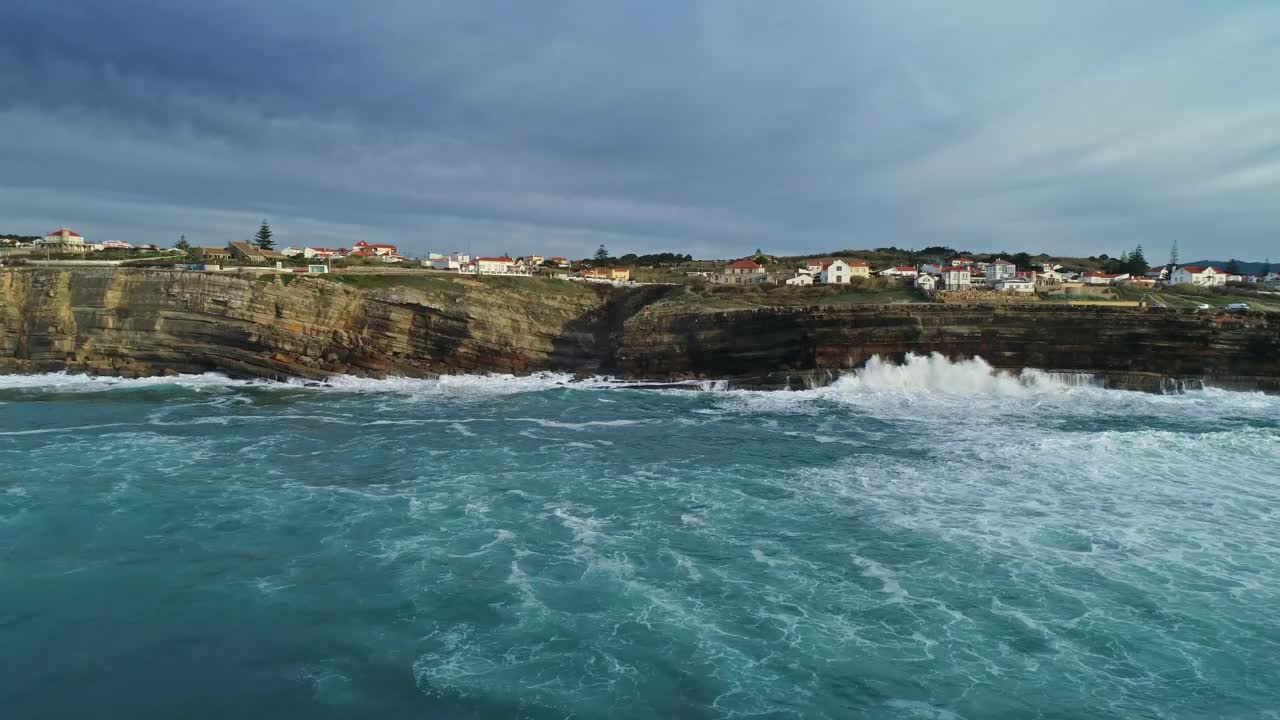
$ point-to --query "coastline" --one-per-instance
(139, 323)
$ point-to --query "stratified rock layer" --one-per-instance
(150, 322)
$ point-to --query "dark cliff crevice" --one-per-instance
(136, 322)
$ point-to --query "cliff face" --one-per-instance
(137, 322)
(1127, 348)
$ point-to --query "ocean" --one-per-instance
(934, 540)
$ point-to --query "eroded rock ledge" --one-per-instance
(151, 322)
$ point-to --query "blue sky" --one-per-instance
(712, 127)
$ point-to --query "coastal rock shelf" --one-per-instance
(150, 322)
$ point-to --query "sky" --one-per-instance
(713, 127)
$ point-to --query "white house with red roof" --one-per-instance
(745, 267)
(841, 272)
(742, 272)
(65, 241)
(501, 265)
(902, 271)
(1207, 276)
(323, 253)
(1094, 277)
(374, 248)
(956, 277)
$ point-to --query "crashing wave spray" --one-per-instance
(936, 373)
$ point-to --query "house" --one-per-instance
(1015, 284)
(212, 253)
(63, 241)
(614, 274)
(535, 260)
(813, 267)
(116, 245)
(742, 272)
(903, 271)
(1141, 280)
(322, 253)
(836, 272)
(1094, 277)
(249, 252)
(840, 272)
(1159, 274)
(999, 270)
(293, 252)
(1193, 275)
(956, 277)
(801, 278)
(928, 283)
(376, 249)
(494, 265)
(960, 261)
(745, 267)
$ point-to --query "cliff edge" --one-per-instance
(150, 322)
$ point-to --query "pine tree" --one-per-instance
(1137, 262)
(1173, 254)
(602, 254)
(1266, 267)
(263, 238)
(1233, 267)
(182, 245)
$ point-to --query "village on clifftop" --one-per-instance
(957, 275)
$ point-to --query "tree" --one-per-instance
(1233, 267)
(263, 238)
(1021, 259)
(182, 245)
(602, 254)
(1266, 267)
(1173, 254)
(1137, 262)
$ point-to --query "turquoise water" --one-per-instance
(932, 541)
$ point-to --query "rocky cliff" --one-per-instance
(140, 322)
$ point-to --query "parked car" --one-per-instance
(1157, 306)
(1236, 307)
(1201, 307)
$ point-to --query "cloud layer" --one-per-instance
(712, 127)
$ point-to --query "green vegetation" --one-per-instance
(263, 238)
(602, 255)
(1134, 263)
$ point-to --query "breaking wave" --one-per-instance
(937, 374)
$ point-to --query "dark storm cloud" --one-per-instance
(713, 126)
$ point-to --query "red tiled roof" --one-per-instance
(60, 231)
(905, 268)
(745, 265)
(495, 259)
(956, 268)
(1196, 270)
